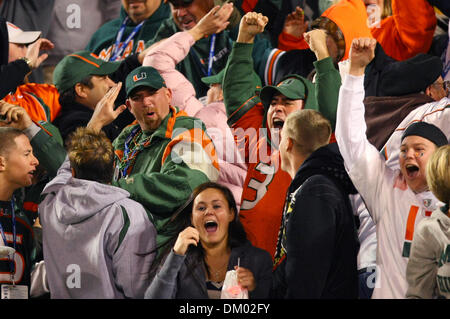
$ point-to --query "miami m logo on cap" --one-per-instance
(139, 77)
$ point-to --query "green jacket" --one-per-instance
(241, 94)
(195, 65)
(104, 38)
(178, 158)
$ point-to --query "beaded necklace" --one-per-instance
(132, 148)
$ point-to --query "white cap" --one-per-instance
(17, 35)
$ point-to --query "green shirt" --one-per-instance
(104, 38)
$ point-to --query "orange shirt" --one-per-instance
(265, 185)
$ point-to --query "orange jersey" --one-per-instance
(40, 101)
(265, 185)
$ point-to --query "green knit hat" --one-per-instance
(73, 68)
(144, 76)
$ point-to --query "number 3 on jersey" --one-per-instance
(260, 187)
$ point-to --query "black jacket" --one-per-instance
(318, 232)
(177, 280)
(385, 76)
(76, 115)
(11, 74)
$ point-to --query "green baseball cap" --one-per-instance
(214, 79)
(73, 68)
(293, 86)
(218, 78)
(144, 76)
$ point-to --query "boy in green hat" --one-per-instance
(264, 112)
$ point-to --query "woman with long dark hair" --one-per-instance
(211, 242)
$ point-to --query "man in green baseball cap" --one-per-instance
(162, 157)
(290, 94)
(73, 68)
(148, 98)
(82, 80)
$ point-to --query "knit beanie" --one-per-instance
(428, 131)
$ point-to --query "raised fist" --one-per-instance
(362, 53)
(251, 24)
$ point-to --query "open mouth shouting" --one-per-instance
(187, 22)
(277, 123)
(412, 171)
(211, 226)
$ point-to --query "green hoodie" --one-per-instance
(104, 38)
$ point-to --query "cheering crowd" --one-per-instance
(207, 149)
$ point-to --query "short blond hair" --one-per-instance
(7, 139)
(91, 155)
(309, 130)
(438, 173)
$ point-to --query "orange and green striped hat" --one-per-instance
(73, 68)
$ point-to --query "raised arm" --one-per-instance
(104, 112)
(328, 79)
(408, 31)
(362, 160)
(164, 56)
(292, 36)
(238, 85)
(17, 70)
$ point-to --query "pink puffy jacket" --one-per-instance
(164, 56)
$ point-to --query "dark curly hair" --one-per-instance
(182, 219)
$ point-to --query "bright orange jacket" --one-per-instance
(403, 35)
(40, 101)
